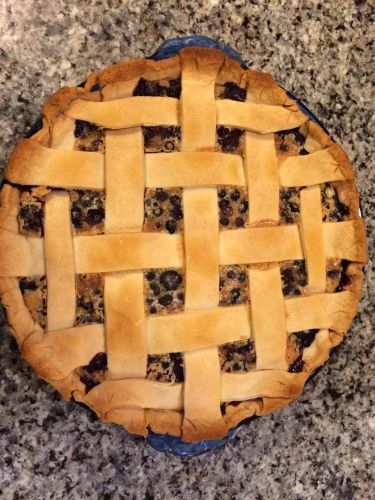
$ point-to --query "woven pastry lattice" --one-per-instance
(191, 408)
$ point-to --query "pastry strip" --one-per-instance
(324, 310)
(342, 240)
(202, 386)
(123, 292)
(260, 118)
(262, 171)
(149, 394)
(201, 391)
(128, 112)
(198, 111)
(35, 165)
(300, 170)
(268, 318)
(311, 229)
(57, 353)
(124, 321)
(197, 329)
(125, 182)
(188, 169)
(346, 240)
(127, 251)
(60, 269)
(260, 244)
(21, 255)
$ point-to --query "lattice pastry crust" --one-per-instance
(209, 401)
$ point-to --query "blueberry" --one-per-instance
(161, 195)
(176, 213)
(231, 274)
(155, 288)
(244, 205)
(241, 277)
(234, 92)
(239, 222)
(175, 200)
(222, 193)
(95, 216)
(223, 204)
(76, 216)
(171, 226)
(235, 294)
(165, 300)
(150, 275)
(224, 221)
(235, 195)
(170, 280)
(98, 362)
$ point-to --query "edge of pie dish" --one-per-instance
(209, 401)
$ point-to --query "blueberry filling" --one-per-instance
(297, 365)
(161, 139)
(228, 138)
(165, 367)
(87, 211)
(233, 285)
(94, 373)
(34, 292)
(293, 277)
(233, 207)
(164, 291)
(163, 210)
(234, 92)
(88, 136)
(154, 88)
(89, 299)
(31, 217)
(170, 279)
(237, 356)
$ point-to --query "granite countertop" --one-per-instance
(322, 445)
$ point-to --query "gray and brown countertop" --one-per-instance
(322, 446)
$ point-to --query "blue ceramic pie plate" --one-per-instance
(165, 442)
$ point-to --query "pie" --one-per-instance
(181, 247)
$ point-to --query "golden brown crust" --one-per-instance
(139, 404)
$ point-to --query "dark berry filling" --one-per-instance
(290, 142)
(164, 291)
(163, 210)
(165, 367)
(234, 92)
(293, 277)
(161, 139)
(230, 139)
(87, 211)
(88, 137)
(89, 299)
(34, 292)
(171, 88)
(237, 357)
(296, 366)
(94, 373)
(233, 285)
(233, 207)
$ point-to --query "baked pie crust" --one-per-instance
(231, 351)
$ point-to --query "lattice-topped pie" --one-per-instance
(180, 245)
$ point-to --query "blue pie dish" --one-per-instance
(165, 442)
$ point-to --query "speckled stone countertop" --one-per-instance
(322, 445)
